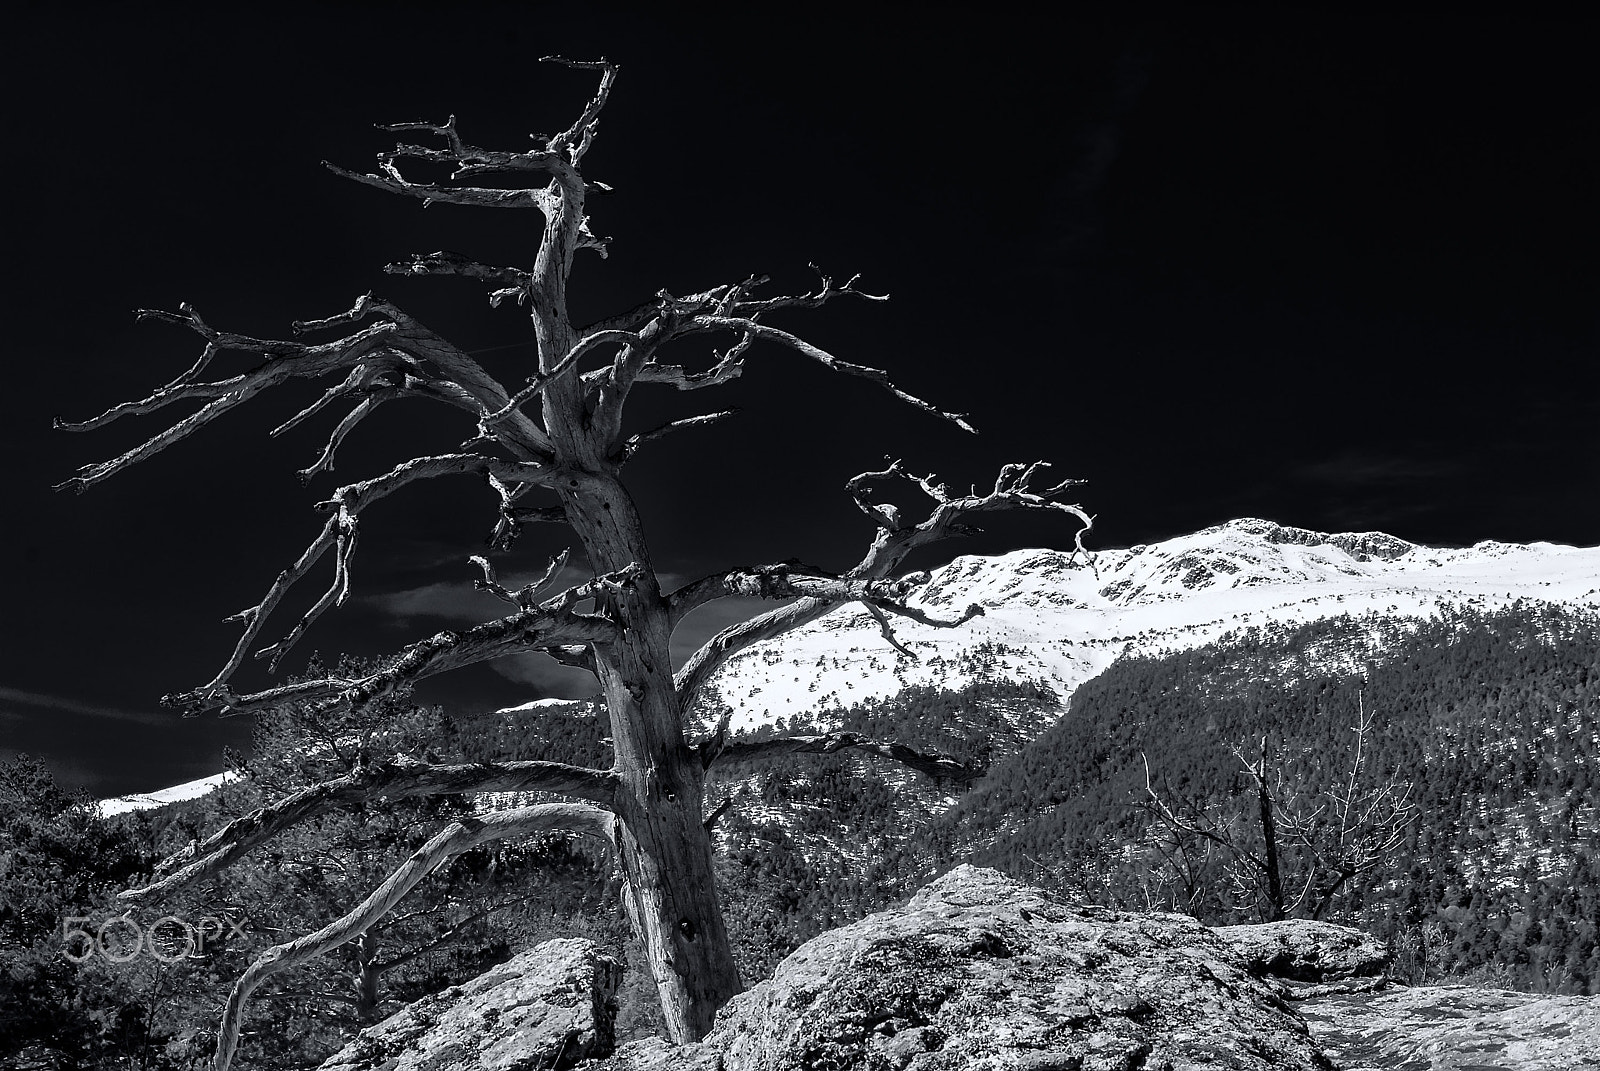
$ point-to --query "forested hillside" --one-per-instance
(803, 843)
(1492, 721)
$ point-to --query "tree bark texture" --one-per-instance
(662, 844)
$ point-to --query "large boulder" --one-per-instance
(1456, 1028)
(1300, 950)
(978, 971)
(547, 1008)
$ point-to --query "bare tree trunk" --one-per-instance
(1269, 841)
(666, 853)
(662, 844)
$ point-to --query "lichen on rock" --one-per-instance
(980, 972)
(550, 1007)
(1316, 955)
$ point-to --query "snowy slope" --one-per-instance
(141, 801)
(1058, 621)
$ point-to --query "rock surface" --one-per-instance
(978, 971)
(1300, 950)
(549, 1007)
(1456, 1028)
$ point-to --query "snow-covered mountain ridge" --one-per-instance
(1059, 620)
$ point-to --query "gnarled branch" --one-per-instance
(551, 624)
(576, 139)
(385, 359)
(1012, 491)
(400, 779)
(511, 281)
(284, 361)
(894, 540)
(539, 381)
(525, 597)
(723, 308)
(634, 442)
(458, 837)
(517, 431)
(790, 580)
(428, 192)
(715, 652)
(346, 505)
(933, 763)
(749, 326)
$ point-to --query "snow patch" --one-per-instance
(143, 801)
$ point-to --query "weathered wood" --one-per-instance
(573, 447)
(663, 846)
(935, 764)
(387, 780)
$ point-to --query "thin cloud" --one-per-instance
(450, 600)
(1360, 469)
(44, 701)
(549, 678)
(458, 600)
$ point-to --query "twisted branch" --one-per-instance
(513, 281)
(458, 837)
(284, 361)
(893, 542)
(576, 139)
(748, 327)
(559, 159)
(789, 580)
(481, 197)
(539, 381)
(399, 779)
(934, 764)
(551, 624)
(634, 442)
(397, 346)
(523, 598)
(723, 308)
(346, 505)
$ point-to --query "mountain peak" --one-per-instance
(1359, 545)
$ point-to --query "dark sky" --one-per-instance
(1337, 272)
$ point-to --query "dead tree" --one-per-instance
(1354, 828)
(560, 434)
(1329, 837)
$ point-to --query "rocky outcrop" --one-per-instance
(550, 1007)
(978, 971)
(1308, 958)
(1455, 1028)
